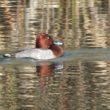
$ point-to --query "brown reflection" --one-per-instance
(45, 72)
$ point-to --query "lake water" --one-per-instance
(79, 80)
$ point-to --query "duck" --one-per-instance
(45, 48)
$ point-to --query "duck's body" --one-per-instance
(45, 49)
(36, 53)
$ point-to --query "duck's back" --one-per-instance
(36, 54)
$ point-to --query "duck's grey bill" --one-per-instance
(58, 43)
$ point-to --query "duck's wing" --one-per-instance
(35, 53)
(28, 53)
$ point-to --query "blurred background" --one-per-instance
(79, 23)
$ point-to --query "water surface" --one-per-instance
(80, 80)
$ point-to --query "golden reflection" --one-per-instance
(84, 84)
(96, 82)
(76, 22)
(92, 25)
(8, 13)
(10, 29)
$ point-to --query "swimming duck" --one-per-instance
(45, 48)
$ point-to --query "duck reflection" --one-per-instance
(46, 72)
(35, 80)
(45, 69)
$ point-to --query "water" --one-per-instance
(80, 80)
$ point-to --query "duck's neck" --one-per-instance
(57, 50)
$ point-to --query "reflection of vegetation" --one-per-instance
(5, 25)
(10, 90)
(27, 3)
(84, 84)
(77, 22)
(9, 22)
(96, 77)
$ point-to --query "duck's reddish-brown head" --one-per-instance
(43, 40)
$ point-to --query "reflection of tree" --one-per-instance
(9, 23)
(77, 22)
(25, 85)
(96, 82)
(6, 14)
(66, 22)
(108, 22)
(5, 23)
(90, 22)
(71, 87)
(82, 84)
(9, 90)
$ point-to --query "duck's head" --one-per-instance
(47, 42)
(43, 40)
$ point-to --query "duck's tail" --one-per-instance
(7, 55)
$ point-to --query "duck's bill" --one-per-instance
(58, 43)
